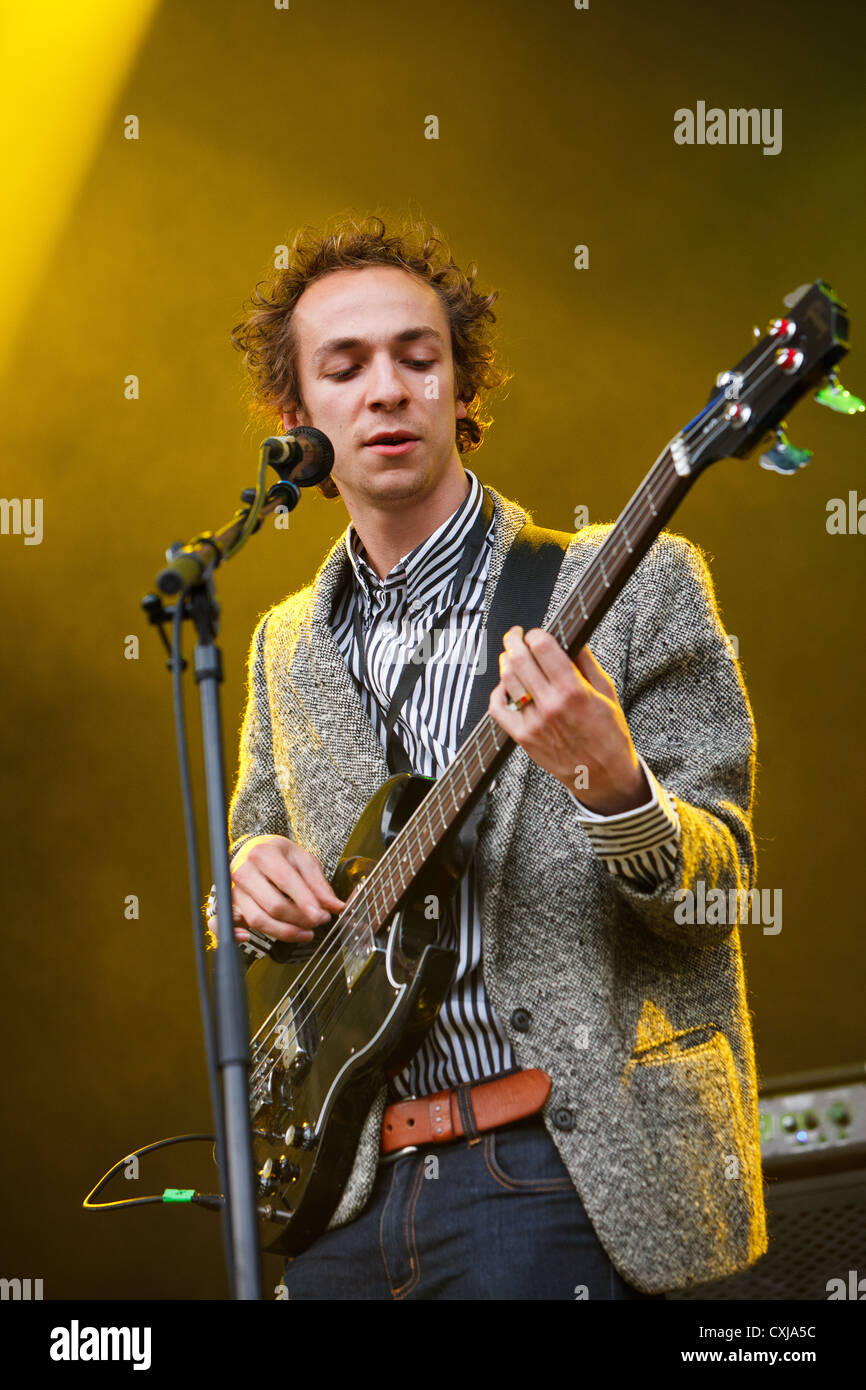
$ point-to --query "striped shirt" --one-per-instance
(467, 1042)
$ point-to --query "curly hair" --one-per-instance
(267, 338)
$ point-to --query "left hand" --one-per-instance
(574, 720)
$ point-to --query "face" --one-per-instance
(374, 358)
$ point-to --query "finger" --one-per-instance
(261, 919)
(240, 933)
(514, 689)
(277, 861)
(595, 674)
(308, 866)
(552, 661)
(509, 719)
(296, 873)
(518, 662)
(281, 892)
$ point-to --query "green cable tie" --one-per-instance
(178, 1194)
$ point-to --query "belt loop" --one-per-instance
(467, 1114)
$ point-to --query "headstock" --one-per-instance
(797, 354)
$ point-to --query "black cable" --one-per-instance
(180, 1194)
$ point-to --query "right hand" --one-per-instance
(279, 889)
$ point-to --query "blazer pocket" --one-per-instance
(686, 1095)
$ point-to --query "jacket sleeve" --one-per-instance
(689, 715)
(257, 805)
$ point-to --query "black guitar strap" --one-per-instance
(522, 595)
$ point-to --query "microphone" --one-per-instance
(308, 453)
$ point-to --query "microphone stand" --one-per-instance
(189, 576)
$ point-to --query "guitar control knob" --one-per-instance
(301, 1136)
(299, 1064)
(267, 1176)
(305, 1136)
(839, 1113)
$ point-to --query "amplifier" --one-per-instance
(813, 1121)
(813, 1152)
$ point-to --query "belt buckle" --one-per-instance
(398, 1153)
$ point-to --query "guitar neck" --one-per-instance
(459, 788)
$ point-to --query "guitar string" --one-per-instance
(352, 930)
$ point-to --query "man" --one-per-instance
(614, 1038)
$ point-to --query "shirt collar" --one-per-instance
(427, 570)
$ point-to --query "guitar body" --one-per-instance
(332, 1018)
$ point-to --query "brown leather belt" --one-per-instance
(466, 1110)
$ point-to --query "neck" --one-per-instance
(389, 531)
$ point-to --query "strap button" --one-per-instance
(564, 1119)
(521, 1019)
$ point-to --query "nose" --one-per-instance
(385, 386)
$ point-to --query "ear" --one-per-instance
(461, 411)
(290, 419)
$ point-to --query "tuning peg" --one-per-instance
(784, 457)
(836, 397)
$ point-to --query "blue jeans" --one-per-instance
(493, 1218)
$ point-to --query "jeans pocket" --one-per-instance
(525, 1159)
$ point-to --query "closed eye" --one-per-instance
(411, 362)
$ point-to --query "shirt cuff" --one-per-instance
(640, 843)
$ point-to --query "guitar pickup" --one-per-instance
(357, 955)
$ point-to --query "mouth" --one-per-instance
(392, 442)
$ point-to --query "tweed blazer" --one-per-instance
(640, 1019)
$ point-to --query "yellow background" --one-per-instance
(134, 256)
